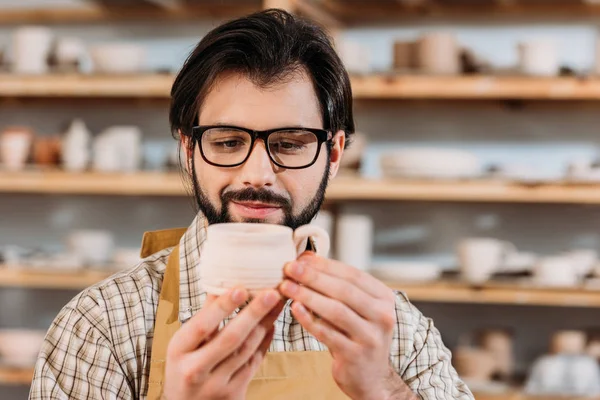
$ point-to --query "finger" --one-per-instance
(272, 316)
(334, 311)
(191, 335)
(235, 333)
(358, 278)
(336, 288)
(335, 341)
(239, 358)
(247, 372)
(266, 342)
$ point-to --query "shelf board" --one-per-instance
(15, 376)
(499, 293)
(147, 86)
(119, 10)
(49, 279)
(358, 12)
(342, 188)
(90, 183)
(479, 87)
(434, 292)
(368, 87)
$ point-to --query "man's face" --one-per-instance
(258, 190)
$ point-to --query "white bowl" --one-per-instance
(95, 247)
(20, 347)
(404, 271)
(430, 163)
(118, 58)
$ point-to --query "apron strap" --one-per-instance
(167, 323)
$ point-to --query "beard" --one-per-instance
(304, 217)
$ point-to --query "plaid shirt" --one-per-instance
(99, 345)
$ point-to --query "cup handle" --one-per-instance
(320, 235)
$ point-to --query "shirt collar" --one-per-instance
(191, 295)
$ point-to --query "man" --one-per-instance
(263, 110)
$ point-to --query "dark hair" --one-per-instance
(267, 47)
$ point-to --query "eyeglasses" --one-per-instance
(230, 146)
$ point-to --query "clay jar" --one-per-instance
(568, 342)
(474, 364)
(15, 147)
(46, 151)
(252, 255)
(500, 344)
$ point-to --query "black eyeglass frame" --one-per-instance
(323, 136)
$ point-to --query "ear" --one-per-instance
(186, 147)
(339, 141)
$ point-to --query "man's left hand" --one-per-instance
(353, 314)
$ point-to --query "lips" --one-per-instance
(252, 209)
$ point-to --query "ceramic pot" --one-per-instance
(20, 347)
(439, 54)
(354, 240)
(474, 364)
(95, 247)
(538, 57)
(500, 344)
(15, 147)
(568, 342)
(46, 151)
(555, 272)
(76, 146)
(252, 255)
(405, 55)
(564, 375)
(31, 48)
(480, 258)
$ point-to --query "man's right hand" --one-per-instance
(205, 364)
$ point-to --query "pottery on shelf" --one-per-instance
(15, 147)
(76, 146)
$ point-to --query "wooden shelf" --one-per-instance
(434, 292)
(391, 87)
(147, 86)
(14, 376)
(49, 279)
(55, 182)
(112, 11)
(358, 12)
(370, 87)
(340, 189)
(499, 293)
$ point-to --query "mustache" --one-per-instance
(258, 195)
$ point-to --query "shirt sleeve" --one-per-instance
(424, 361)
(77, 361)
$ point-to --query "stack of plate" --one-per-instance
(424, 163)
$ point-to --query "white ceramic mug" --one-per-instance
(438, 53)
(15, 147)
(354, 240)
(31, 46)
(481, 257)
(538, 57)
(252, 255)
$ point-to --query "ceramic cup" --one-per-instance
(538, 57)
(95, 247)
(568, 342)
(252, 255)
(438, 53)
(354, 240)
(31, 47)
(481, 257)
(474, 363)
(555, 272)
(584, 261)
(15, 147)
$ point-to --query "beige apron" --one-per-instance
(284, 375)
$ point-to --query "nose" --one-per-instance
(258, 170)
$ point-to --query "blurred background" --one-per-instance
(472, 185)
